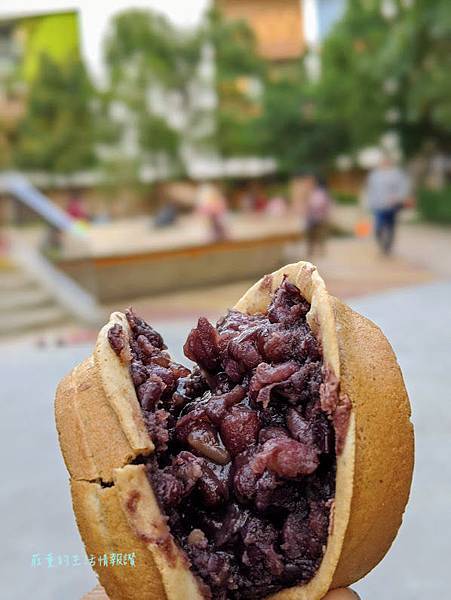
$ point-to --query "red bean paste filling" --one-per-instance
(244, 463)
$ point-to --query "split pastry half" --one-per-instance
(279, 466)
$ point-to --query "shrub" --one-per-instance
(345, 198)
(435, 205)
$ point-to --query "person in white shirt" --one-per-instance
(387, 190)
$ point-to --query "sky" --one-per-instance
(95, 15)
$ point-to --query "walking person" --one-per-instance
(213, 206)
(317, 217)
(387, 190)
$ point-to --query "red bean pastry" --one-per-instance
(262, 472)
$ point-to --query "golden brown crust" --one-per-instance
(145, 519)
(71, 433)
(98, 418)
(90, 413)
(117, 387)
(370, 375)
(105, 529)
(378, 472)
(101, 431)
(91, 439)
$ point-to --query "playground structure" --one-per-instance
(21, 189)
(36, 292)
(120, 261)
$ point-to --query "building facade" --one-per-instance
(277, 24)
(285, 29)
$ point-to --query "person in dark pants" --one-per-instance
(317, 217)
(387, 189)
(384, 227)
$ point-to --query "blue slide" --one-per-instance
(18, 186)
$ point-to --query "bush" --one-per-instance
(435, 205)
(345, 198)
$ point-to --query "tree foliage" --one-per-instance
(240, 77)
(151, 68)
(379, 72)
(295, 129)
(385, 72)
(56, 133)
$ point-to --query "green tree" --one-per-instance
(157, 70)
(295, 129)
(390, 71)
(151, 68)
(57, 132)
(239, 80)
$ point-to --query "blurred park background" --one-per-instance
(167, 154)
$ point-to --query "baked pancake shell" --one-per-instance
(102, 433)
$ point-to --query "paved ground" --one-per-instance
(352, 267)
(34, 498)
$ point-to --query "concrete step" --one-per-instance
(36, 297)
(29, 298)
(31, 318)
(14, 280)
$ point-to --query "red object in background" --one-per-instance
(260, 203)
(4, 244)
(410, 202)
(76, 209)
